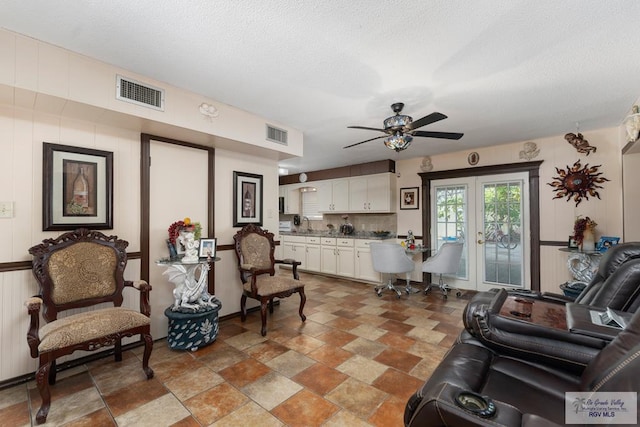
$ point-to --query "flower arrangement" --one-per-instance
(185, 224)
(580, 226)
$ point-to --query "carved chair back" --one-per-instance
(255, 248)
(79, 268)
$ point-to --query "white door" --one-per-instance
(176, 193)
(491, 215)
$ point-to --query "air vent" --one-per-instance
(276, 135)
(138, 93)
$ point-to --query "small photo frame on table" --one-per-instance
(207, 248)
(606, 242)
(77, 188)
(247, 199)
(409, 198)
(572, 244)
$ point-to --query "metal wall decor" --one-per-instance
(577, 182)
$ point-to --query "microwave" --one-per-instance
(281, 204)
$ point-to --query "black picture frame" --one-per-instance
(247, 199)
(409, 198)
(572, 244)
(77, 188)
(207, 248)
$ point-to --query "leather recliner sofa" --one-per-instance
(472, 379)
(616, 285)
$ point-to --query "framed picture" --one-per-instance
(247, 199)
(409, 198)
(77, 188)
(606, 242)
(572, 243)
(207, 248)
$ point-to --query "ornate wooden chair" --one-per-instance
(78, 269)
(255, 252)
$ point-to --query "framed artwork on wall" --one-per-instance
(409, 198)
(77, 188)
(247, 199)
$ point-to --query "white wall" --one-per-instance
(556, 216)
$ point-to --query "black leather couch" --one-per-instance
(616, 285)
(523, 392)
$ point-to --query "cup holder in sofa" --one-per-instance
(479, 405)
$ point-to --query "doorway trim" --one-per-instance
(533, 171)
(145, 198)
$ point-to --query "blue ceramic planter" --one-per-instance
(191, 331)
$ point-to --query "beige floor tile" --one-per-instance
(163, 411)
(271, 390)
(248, 414)
(364, 347)
(361, 368)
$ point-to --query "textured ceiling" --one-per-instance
(503, 71)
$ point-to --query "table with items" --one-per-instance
(193, 316)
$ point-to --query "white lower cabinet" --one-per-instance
(329, 255)
(312, 254)
(345, 257)
(293, 247)
(363, 264)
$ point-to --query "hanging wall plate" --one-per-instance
(303, 177)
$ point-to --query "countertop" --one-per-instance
(356, 235)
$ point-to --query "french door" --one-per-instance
(490, 214)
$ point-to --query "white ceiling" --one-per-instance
(502, 70)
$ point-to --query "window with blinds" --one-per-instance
(310, 205)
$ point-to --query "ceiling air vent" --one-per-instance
(276, 135)
(138, 93)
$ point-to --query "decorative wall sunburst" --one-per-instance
(577, 182)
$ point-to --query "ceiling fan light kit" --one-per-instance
(401, 129)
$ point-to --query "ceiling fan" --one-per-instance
(400, 129)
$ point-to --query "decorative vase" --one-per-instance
(588, 241)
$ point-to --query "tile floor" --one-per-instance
(354, 362)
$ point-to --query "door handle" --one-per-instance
(480, 241)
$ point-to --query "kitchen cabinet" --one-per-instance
(312, 253)
(333, 195)
(291, 195)
(345, 257)
(372, 193)
(293, 247)
(363, 264)
(329, 255)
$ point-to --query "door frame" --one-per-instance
(533, 171)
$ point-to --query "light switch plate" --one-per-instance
(6, 209)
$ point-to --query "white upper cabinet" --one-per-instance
(372, 193)
(333, 195)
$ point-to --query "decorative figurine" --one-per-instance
(579, 143)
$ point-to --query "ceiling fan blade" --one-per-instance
(362, 142)
(366, 128)
(427, 120)
(443, 135)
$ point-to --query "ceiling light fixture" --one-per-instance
(398, 141)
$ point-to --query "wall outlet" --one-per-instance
(6, 209)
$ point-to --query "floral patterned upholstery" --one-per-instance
(82, 268)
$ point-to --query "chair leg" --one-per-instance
(148, 346)
(303, 300)
(52, 372)
(263, 316)
(42, 380)
(271, 306)
(243, 307)
(117, 350)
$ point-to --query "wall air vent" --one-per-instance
(277, 135)
(138, 93)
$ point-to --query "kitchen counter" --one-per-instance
(357, 235)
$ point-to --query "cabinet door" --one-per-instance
(312, 261)
(328, 262)
(344, 259)
(364, 266)
(292, 201)
(294, 251)
(340, 191)
(358, 194)
(379, 193)
(324, 191)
